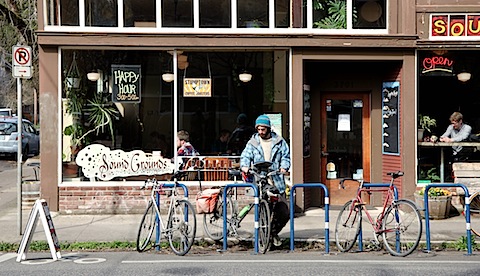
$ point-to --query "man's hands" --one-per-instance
(446, 139)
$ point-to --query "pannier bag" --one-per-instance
(207, 201)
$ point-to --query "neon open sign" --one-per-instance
(436, 64)
(455, 25)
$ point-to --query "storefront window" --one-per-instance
(146, 123)
(101, 13)
(139, 13)
(177, 13)
(252, 14)
(439, 72)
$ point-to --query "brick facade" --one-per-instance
(118, 199)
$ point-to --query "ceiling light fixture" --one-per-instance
(464, 76)
(168, 77)
(245, 76)
(93, 76)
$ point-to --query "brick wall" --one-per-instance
(118, 199)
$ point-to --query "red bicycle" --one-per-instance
(399, 224)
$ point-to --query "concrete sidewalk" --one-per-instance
(310, 226)
(78, 228)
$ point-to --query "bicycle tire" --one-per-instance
(213, 223)
(347, 226)
(402, 228)
(183, 227)
(475, 213)
(264, 223)
(145, 231)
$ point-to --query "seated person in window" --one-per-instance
(457, 131)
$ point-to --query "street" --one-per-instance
(242, 263)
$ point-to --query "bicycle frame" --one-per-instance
(390, 198)
(155, 195)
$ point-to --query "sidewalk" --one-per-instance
(310, 226)
(104, 228)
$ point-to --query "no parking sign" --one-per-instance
(22, 62)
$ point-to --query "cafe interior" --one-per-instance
(449, 81)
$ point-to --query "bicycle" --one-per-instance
(474, 213)
(399, 223)
(268, 194)
(180, 225)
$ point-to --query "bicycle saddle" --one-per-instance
(262, 165)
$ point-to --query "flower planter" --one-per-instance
(438, 207)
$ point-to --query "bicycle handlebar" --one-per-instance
(394, 175)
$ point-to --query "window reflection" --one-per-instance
(177, 13)
(370, 14)
(139, 13)
(330, 14)
(252, 14)
(101, 13)
(215, 13)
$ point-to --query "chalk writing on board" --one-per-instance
(126, 84)
(390, 96)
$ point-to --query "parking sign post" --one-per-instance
(22, 69)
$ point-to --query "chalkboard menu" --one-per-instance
(126, 84)
(391, 96)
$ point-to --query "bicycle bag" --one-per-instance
(207, 201)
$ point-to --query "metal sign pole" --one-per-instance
(19, 153)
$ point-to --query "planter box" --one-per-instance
(438, 207)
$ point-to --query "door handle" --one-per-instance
(324, 154)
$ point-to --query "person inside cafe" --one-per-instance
(457, 131)
(220, 144)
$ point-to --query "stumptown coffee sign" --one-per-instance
(455, 26)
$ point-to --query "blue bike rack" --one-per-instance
(256, 225)
(157, 220)
(374, 185)
(292, 213)
(467, 213)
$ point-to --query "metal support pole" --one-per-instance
(19, 154)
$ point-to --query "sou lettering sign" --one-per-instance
(455, 26)
(126, 83)
(100, 162)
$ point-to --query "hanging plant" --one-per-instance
(72, 78)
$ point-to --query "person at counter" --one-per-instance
(457, 131)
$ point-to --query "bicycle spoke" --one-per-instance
(182, 226)
(402, 228)
(213, 223)
(147, 226)
(264, 219)
(347, 227)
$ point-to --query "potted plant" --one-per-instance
(90, 115)
(439, 202)
(426, 123)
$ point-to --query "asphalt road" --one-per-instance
(243, 263)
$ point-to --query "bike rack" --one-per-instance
(467, 214)
(292, 211)
(157, 220)
(256, 225)
(374, 185)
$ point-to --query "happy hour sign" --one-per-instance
(126, 85)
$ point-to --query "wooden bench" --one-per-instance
(467, 174)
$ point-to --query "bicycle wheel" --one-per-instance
(347, 226)
(145, 231)
(475, 213)
(182, 226)
(213, 223)
(264, 222)
(402, 228)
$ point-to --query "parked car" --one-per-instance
(9, 141)
(6, 112)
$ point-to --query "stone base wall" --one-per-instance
(119, 199)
